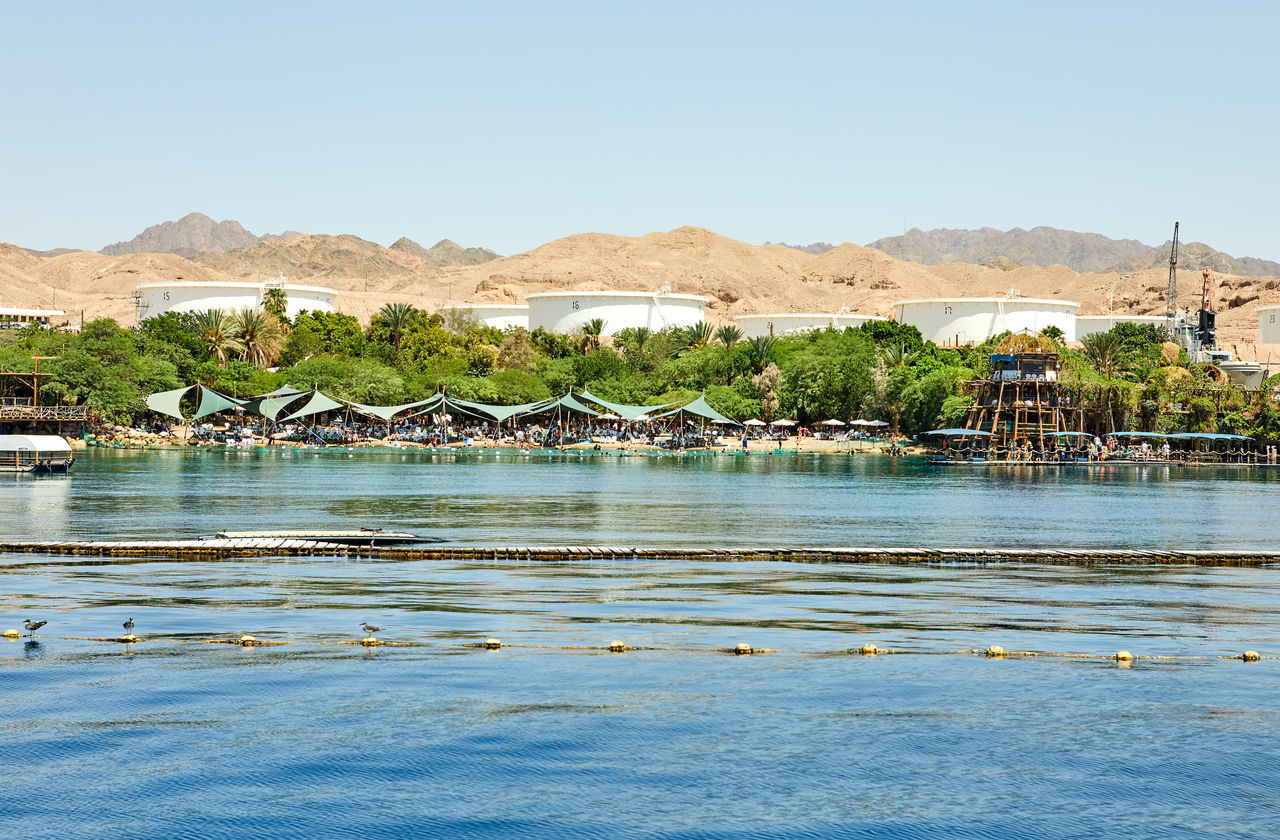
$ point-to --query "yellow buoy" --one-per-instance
(247, 641)
(128, 638)
(1250, 656)
(369, 641)
(1124, 656)
(995, 650)
(741, 648)
(12, 634)
(868, 649)
(617, 647)
(492, 644)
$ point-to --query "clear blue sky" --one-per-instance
(510, 124)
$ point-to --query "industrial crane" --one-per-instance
(1171, 297)
(1206, 332)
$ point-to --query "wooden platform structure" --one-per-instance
(227, 548)
(1021, 401)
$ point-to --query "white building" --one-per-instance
(500, 315)
(781, 323)
(952, 321)
(154, 299)
(1090, 324)
(566, 312)
(12, 317)
(1268, 324)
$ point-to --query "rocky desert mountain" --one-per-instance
(445, 252)
(737, 277)
(1042, 246)
(1197, 255)
(193, 233)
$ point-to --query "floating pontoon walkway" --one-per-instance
(218, 548)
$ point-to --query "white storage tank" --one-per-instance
(158, 298)
(1268, 324)
(566, 312)
(952, 321)
(1090, 324)
(781, 323)
(500, 315)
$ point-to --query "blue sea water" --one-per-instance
(553, 737)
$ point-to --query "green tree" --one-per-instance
(276, 301)
(397, 317)
(260, 334)
(219, 334)
(589, 340)
(729, 335)
(761, 348)
(1104, 351)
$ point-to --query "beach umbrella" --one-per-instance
(753, 422)
(832, 423)
(783, 423)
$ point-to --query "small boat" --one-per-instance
(35, 454)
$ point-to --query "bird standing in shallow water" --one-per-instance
(33, 626)
(369, 628)
(128, 625)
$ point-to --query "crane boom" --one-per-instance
(1171, 296)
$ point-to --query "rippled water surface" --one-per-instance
(552, 736)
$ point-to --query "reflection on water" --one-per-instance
(174, 737)
(649, 501)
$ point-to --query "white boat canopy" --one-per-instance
(34, 443)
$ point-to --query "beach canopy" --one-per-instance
(270, 407)
(211, 402)
(317, 404)
(1138, 434)
(566, 402)
(783, 423)
(285, 390)
(753, 422)
(861, 422)
(699, 408)
(386, 412)
(832, 422)
(1070, 434)
(630, 413)
(1207, 436)
(958, 432)
(166, 402)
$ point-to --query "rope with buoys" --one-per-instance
(616, 646)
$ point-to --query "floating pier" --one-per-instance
(227, 546)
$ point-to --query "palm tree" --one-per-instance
(397, 317)
(761, 347)
(276, 301)
(639, 336)
(218, 332)
(590, 338)
(700, 334)
(260, 334)
(1104, 351)
(897, 355)
(729, 334)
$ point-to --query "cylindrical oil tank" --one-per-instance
(566, 312)
(158, 298)
(953, 321)
(1090, 324)
(1268, 324)
(780, 323)
(500, 315)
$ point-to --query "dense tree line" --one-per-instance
(879, 370)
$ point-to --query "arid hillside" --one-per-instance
(739, 278)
